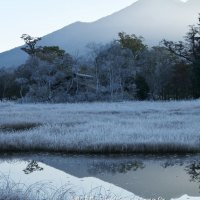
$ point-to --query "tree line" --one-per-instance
(125, 69)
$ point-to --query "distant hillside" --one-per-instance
(152, 19)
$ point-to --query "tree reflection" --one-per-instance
(32, 167)
(107, 167)
(193, 171)
(171, 163)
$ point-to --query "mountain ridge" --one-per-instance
(152, 19)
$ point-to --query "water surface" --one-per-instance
(168, 177)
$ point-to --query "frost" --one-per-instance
(153, 127)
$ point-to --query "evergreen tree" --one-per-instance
(142, 88)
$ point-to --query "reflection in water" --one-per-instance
(113, 168)
(147, 176)
(171, 163)
(32, 167)
(193, 171)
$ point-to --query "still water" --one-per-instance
(168, 177)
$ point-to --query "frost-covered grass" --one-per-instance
(127, 127)
(9, 190)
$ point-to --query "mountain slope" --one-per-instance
(152, 19)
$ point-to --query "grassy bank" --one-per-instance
(128, 127)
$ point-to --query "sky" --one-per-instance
(40, 17)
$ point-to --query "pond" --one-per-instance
(149, 176)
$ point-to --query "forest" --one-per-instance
(124, 69)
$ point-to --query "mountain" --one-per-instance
(152, 19)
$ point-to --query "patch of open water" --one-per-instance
(147, 176)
